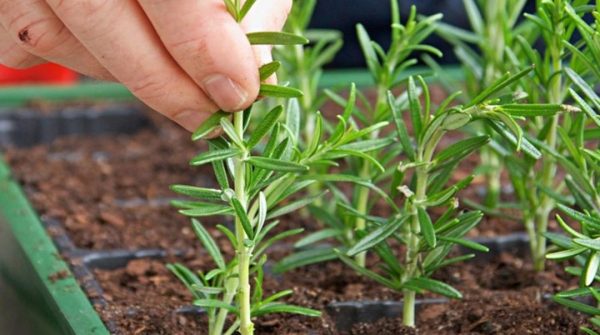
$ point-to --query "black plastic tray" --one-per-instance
(22, 127)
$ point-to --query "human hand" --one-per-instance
(184, 58)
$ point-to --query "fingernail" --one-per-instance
(189, 119)
(225, 92)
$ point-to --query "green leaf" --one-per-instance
(462, 148)
(293, 206)
(366, 272)
(220, 174)
(275, 239)
(262, 212)
(209, 244)
(568, 228)
(231, 8)
(445, 262)
(276, 164)
(340, 153)
(367, 49)
(584, 87)
(573, 293)
(566, 254)
(582, 218)
(187, 277)
(531, 110)
(276, 296)
(415, 107)
(206, 210)
(426, 227)
(588, 243)
(305, 257)
(245, 9)
(284, 308)
(316, 237)
(496, 87)
(591, 268)
(214, 156)
(576, 305)
(587, 109)
(240, 213)
(341, 178)
(315, 139)
(264, 126)
(440, 197)
(465, 243)
(368, 145)
(474, 15)
(401, 128)
(275, 38)
(229, 129)
(209, 125)
(212, 303)
(197, 192)
(228, 233)
(432, 285)
(455, 120)
(376, 236)
(292, 118)
(267, 90)
(525, 145)
(209, 290)
(266, 70)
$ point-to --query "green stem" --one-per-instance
(246, 326)
(365, 173)
(491, 159)
(496, 13)
(408, 308)
(361, 207)
(548, 173)
(230, 290)
(412, 253)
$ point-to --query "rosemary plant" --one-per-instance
(536, 184)
(264, 178)
(302, 65)
(386, 68)
(366, 171)
(583, 247)
(421, 182)
(485, 54)
(261, 182)
(581, 161)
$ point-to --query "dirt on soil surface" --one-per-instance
(112, 193)
(143, 297)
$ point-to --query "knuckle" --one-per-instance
(92, 18)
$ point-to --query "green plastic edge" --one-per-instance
(57, 299)
(14, 96)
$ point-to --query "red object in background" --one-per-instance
(40, 74)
